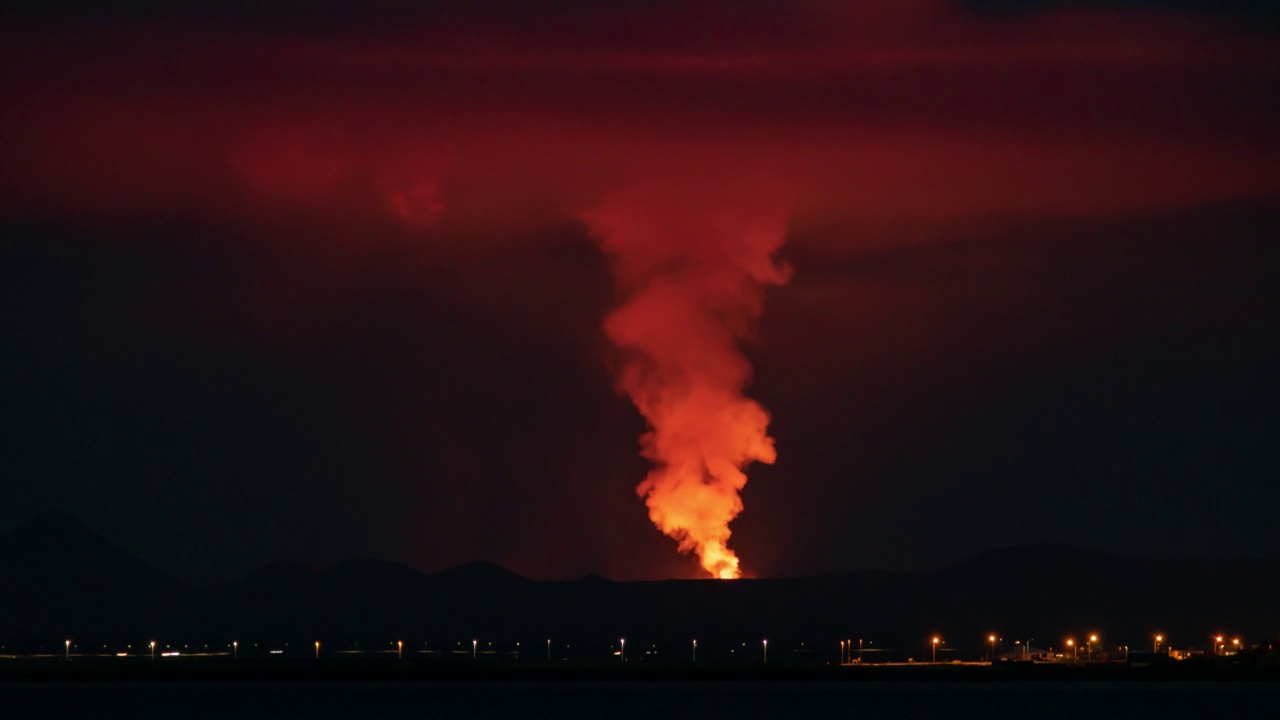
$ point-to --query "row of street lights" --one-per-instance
(846, 648)
(151, 648)
(622, 650)
(1093, 638)
(1220, 645)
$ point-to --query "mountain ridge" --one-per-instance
(92, 588)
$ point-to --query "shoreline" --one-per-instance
(79, 670)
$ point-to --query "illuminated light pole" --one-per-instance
(622, 653)
(1217, 642)
(992, 639)
(764, 644)
(153, 649)
(235, 649)
(317, 649)
(399, 649)
(68, 651)
(1075, 651)
(841, 652)
(1155, 647)
(695, 650)
(1092, 640)
(936, 640)
(473, 649)
(1236, 642)
(548, 649)
(859, 651)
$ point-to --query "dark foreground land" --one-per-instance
(41, 670)
(80, 621)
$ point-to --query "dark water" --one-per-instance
(648, 700)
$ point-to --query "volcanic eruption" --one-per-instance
(692, 261)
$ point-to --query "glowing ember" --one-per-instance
(693, 269)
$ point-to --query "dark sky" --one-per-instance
(312, 280)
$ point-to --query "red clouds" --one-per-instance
(918, 105)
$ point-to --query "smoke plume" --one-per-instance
(692, 266)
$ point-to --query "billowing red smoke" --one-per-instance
(692, 262)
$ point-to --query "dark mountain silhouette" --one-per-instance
(478, 574)
(593, 578)
(58, 577)
(61, 579)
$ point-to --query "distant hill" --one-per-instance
(58, 578)
(478, 575)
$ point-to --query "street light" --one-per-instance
(1092, 640)
(695, 650)
(235, 649)
(399, 649)
(765, 645)
(936, 640)
(622, 642)
(473, 649)
(153, 649)
(992, 639)
(68, 652)
(1075, 651)
(548, 649)
(317, 649)
(1155, 647)
(841, 652)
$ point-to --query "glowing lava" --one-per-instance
(693, 268)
